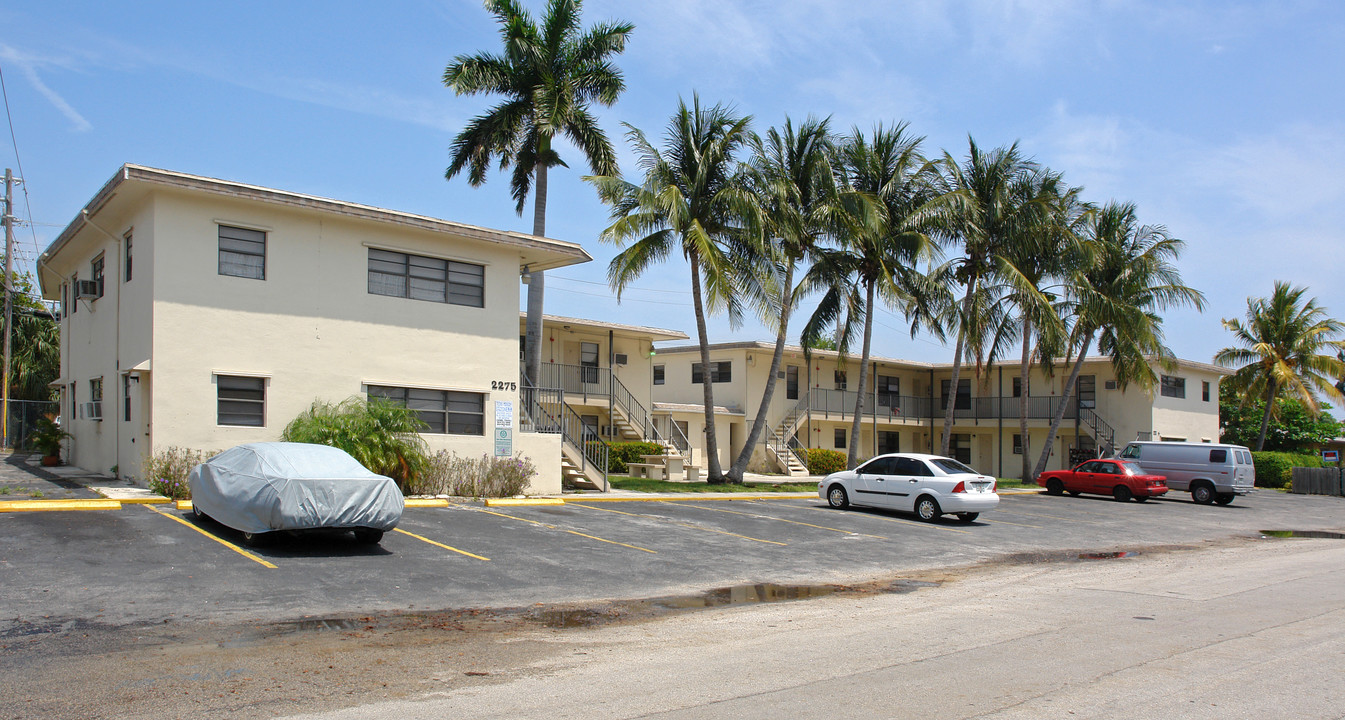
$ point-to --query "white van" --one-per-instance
(1212, 473)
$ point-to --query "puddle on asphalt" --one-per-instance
(1107, 555)
(1327, 534)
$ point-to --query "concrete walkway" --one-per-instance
(22, 477)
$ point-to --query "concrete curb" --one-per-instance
(691, 497)
(51, 505)
(426, 502)
(519, 502)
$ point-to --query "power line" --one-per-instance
(27, 204)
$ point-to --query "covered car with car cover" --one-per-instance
(273, 486)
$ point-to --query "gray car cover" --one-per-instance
(261, 487)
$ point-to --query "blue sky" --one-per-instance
(1223, 121)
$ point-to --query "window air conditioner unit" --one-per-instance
(86, 288)
(780, 375)
(93, 410)
(619, 359)
(1110, 385)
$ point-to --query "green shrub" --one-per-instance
(824, 462)
(382, 435)
(623, 453)
(476, 477)
(167, 470)
(1275, 469)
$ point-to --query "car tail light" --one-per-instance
(961, 487)
(994, 484)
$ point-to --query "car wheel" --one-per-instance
(1054, 487)
(967, 517)
(368, 536)
(1224, 498)
(837, 498)
(1203, 494)
(927, 508)
(196, 513)
(1122, 493)
(254, 539)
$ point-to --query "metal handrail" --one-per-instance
(547, 412)
(587, 381)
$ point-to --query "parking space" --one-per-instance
(146, 563)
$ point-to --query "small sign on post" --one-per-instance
(1330, 456)
(504, 428)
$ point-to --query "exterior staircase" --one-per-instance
(1102, 433)
(782, 440)
(584, 454)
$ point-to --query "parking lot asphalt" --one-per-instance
(154, 563)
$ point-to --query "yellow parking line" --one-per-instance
(674, 522)
(920, 523)
(791, 522)
(572, 532)
(225, 543)
(439, 544)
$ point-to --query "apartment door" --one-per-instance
(792, 382)
(588, 361)
(889, 389)
(1086, 387)
(888, 442)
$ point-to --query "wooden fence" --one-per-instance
(1318, 481)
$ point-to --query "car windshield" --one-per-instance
(1132, 468)
(951, 466)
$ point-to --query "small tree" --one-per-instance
(382, 435)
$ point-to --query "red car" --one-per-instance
(1120, 479)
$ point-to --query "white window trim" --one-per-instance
(242, 224)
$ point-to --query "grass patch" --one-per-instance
(635, 484)
(1014, 483)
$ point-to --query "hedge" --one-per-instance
(824, 462)
(1275, 469)
(629, 452)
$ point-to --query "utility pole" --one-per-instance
(9, 297)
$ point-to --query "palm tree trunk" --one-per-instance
(532, 343)
(1265, 417)
(1023, 399)
(1065, 394)
(957, 370)
(767, 393)
(853, 459)
(714, 475)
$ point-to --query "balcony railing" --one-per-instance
(841, 404)
(584, 383)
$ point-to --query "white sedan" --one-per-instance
(928, 485)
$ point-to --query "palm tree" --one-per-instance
(1285, 347)
(1127, 279)
(693, 200)
(980, 209)
(1041, 257)
(549, 74)
(791, 174)
(36, 355)
(878, 252)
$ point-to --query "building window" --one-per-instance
(1018, 387)
(840, 438)
(658, 374)
(242, 252)
(241, 401)
(1205, 390)
(444, 412)
(963, 401)
(424, 278)
(720, 372)
(588, 362)
(1017, 444)
(127, 261)
(522, 347)
(961, 448)
(74, 293)
(889, 391)
(889, 441)
(96, 399)
(792, 382)
(126, 397)
(65, 300)
(840, 380)
(74, 404)
(1173, 386)
(98, 274)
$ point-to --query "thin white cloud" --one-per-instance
(28, 64)
(1292, 174)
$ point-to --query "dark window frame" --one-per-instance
(97, 268)
(839, 439)
(242, 243)
(408, 271)
(444, 412)
(237, 402)
(127, 260)
(720, 372)
(1204, 390)
(660, 374)
(1172, 386)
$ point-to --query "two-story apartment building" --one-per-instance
(204, 313)
(903, 408)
